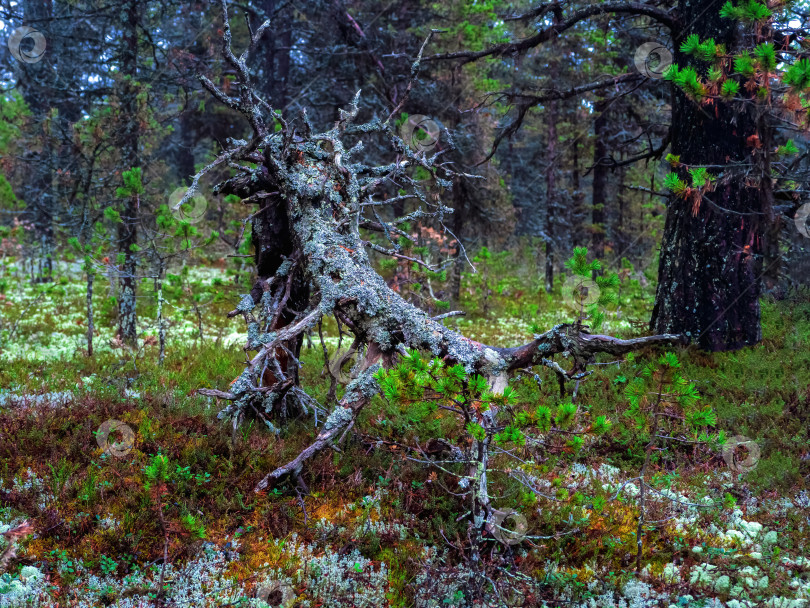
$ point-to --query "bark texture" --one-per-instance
(128, 229)
(710, 267)
(600, 171)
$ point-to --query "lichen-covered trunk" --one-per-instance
(127, 313)
(43, 225)
(345, 284)
(161, 324)
(312, 193)
(90, 328)
(710, 264)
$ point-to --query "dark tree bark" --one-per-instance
(283, 73)
(276, 54)
(185, 152)
(273, 246)
(772, 257)
(551, 192)
(710, 266)
(37, 84)
(600, 171)
(459, 215)
(268, 54)
(128, 229)
(579, 210)
(618, 229)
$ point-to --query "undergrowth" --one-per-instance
(186, 485)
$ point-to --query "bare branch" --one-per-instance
(598, 9)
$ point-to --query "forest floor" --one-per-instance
(176, 507)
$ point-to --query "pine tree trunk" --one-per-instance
(458, 230)
(710, 265)
(90, 278)
(128, 229)
(600, 170)
(161, 269)
(772, 257)
(276, 54)
(551, 193)
(579, 209)
(37, 84)
(617, 229)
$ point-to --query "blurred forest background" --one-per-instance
(581, 132)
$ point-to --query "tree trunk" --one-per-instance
(600, 170)
(268, 51)
(185, 153)
(37, 83)
(90, 277)
(128, 229)
(551, 192)
(318, 235)
(283, 73)
(276, 51)
(710, 265)
(459, 213)
(579, 209)
(160, 301)
(772, 257)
